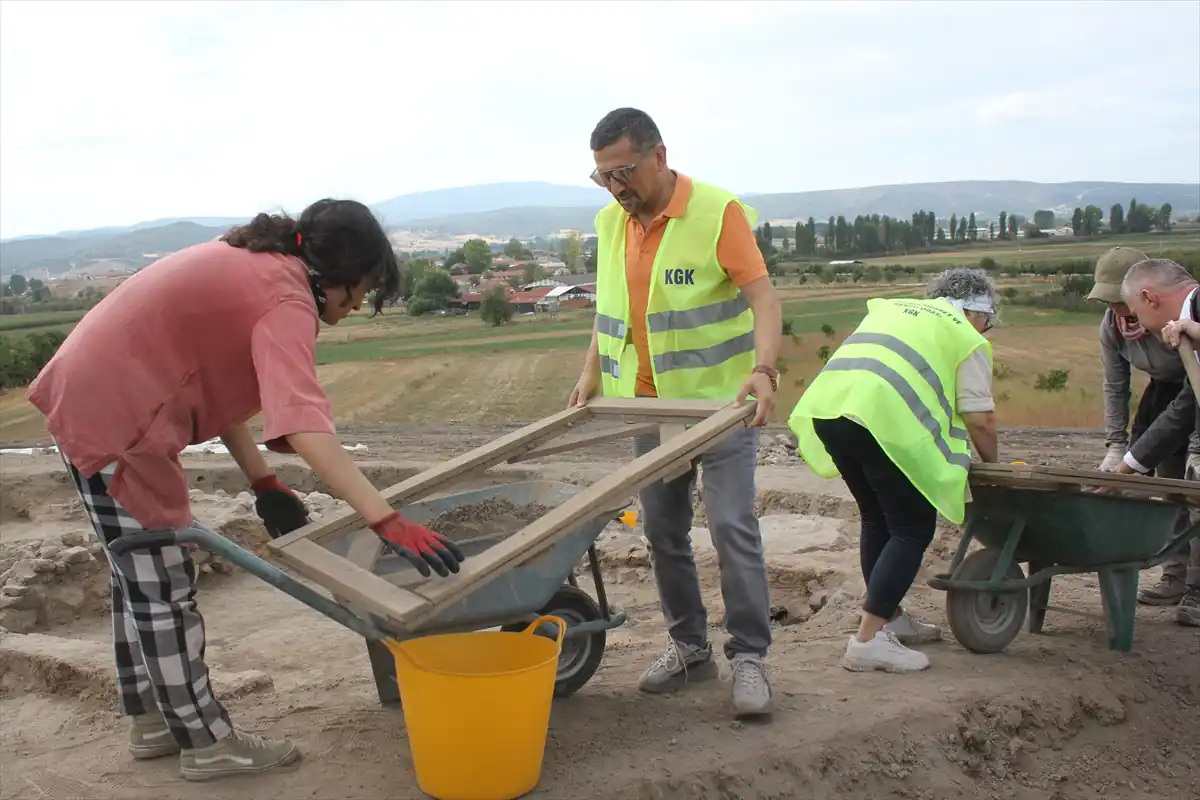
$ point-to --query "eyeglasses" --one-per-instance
(622, 175)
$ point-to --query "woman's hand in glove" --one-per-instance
(278, 506)
(419, 545)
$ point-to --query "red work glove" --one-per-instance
(278, 506)
(421, 546)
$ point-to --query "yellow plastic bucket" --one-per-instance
(477, 708)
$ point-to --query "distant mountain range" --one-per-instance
(530, 209)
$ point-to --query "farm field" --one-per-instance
(397, 369)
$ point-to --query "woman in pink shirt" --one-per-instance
(188, 349)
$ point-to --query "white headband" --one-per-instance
(980, 302)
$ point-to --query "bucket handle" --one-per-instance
(558, 621)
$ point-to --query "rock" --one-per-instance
(319, 498)
(239, 684)
(790, 534)
(28, 600)
(96, 549)
(818, 600)
(14, 590)
(77, 538)
(42, 565)
(76, 555)
(49, 550)
(20, 572)
(18, 620)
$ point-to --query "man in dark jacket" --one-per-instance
(1164, 297)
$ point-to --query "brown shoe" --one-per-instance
(1167, 592)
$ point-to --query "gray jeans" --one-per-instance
(729, 494)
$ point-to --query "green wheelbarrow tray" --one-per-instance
(1055, 532)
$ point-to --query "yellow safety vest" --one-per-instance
(700, 329)
(896, 376)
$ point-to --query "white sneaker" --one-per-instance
(883, 652)
(909, 631)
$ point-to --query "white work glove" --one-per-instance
(1116, 454)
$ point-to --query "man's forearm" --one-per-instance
(768, 329)
(591, 359)
(240, 442)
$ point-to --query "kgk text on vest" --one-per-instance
(680, 277)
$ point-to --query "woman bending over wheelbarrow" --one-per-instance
(892, 412)
(1125, 345)
(188, 349)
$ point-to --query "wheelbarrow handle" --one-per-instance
(148, 540)
(231, 552)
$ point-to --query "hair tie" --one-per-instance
(299, 239)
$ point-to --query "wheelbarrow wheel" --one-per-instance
(581, 655)
(985, 622)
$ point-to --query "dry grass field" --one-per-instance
(397, 369)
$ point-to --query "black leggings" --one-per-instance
(897, 521)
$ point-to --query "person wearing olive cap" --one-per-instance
(189, 349)
(1125, 345)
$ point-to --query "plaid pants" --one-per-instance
(158, 634)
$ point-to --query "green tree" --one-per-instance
(572, 251)
(1012, 227)
(1093, 220)
(532, 272)
(991, 231)
(433, 292)
(1163, 221)
(1043, 218)
(1140, 219)
(517, 251)
(972, 232)
(1003, 226)
(1116, 219)
(17, 283)
(953, 227)
(1077, 221)
(494, 308)
(941, 235)
(873, 274)
(478, 255)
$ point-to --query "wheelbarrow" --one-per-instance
(1043, 519)
(506, 581)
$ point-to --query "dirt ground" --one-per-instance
(1054, 717)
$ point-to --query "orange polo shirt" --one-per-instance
(737, 253)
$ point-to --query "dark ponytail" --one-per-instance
(340, 241)
(266, 233)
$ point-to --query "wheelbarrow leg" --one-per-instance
(383, 669)
(1039, 598)
(1118, 592)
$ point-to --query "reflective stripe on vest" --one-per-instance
(699, 326)
(908, 353)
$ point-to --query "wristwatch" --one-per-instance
(771, 373)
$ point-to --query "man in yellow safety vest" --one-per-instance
(892, 412)
(685, 309)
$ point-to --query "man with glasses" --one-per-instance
(685, 309)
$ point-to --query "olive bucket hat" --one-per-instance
(1110, 271)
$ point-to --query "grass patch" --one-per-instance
(388, 349)
(46, 319)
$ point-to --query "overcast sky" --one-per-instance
(114, 113)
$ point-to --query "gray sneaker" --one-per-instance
(149, 737)
(679, 664)
(1167, 592)
(909, 631)
(751, 689)
(240, 754)
(1188, 612)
